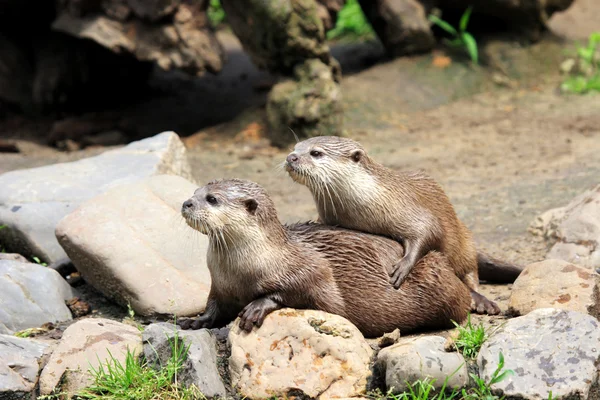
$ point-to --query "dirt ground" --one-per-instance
(505, 150)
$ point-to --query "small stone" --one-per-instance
(31, 295)
(556, 284)
(132, 244)
(320, 354)
(200, 367)
(32, 201)
(13, 257)
(548, 350)
(19, 366)
(418, 358)
(573, 230)
(84, 345)
(78, 307)
(389, 339)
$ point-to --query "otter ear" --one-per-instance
(251, 205)
(357, 155)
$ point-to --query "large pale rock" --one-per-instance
(574, 230)
(311, 351)
(85, 345)
(200, 366)
(132, 244)
(19, 366)
(412, 359)
(555, 284)
(31, 295)
(32, 201)
(549, 350)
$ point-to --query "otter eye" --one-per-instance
(211, 199)
(316, 153)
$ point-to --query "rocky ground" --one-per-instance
(503, 142)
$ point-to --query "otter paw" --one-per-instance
(482, 305)
(255, 313)
(194, 323)
(399, 273)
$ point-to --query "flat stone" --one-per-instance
(573, 230)
(320, 354)
(549, 350)
(200, 367)
(19, 366)
(555, 284)
(418, 358)
(32, 201)
(132, 244)
(84, 345)
(31, 295)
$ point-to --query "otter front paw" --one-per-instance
(400, 272)
(203, 321)
(255, 313)
(481, 305)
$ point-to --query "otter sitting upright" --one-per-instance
(353, 191)
(258, 265)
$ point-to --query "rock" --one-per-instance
(31, 295)
(84, 345)
(32, 201)
(573, 230)
(200, 367)
(556, 284)
(173, 34)
(401, 25)
(309, 106)
(310, 351)
(20, 361)
(549, 350)
(389, 339)
(412, 359)
(278, 34)
(13, 257)
(132, 244)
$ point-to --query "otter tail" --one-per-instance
(493, 270)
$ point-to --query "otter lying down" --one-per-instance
(258, 265)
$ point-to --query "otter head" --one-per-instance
(230, 210)
(328, 162)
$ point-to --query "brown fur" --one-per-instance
(257, 265)
(353, 191)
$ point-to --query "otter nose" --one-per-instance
(187, 204)
(291, 158)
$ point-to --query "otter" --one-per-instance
(353, 191)
(257, 265)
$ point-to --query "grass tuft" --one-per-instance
(216, 14)
(470, 338)
(460, 36)
(351, 24)
(585, 74)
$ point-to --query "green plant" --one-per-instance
(136, 380)
(461, 38)
(38, 261)
(483, 389)
(215, 12)
(586, 76)
(351, 23)
(470, 338)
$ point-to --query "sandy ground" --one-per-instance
(503, 154)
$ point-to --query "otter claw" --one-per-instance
(202, 321)
(254, 314)
(399, 274)
(482, 305)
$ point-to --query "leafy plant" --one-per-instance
(470, 338)
(216, 14)
(483, 389)
(136, 380)
(351, 23)
(461, 38)
(586, 72)
(38, 261)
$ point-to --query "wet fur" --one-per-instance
(256, 264)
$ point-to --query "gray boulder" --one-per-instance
(132, 244)
(200, 367)
(549, 350)
(31, 295)
(573, 230)
(32, 201)
(19, 366)
(417, 358)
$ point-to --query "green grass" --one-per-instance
(136, 380)
(587, 74)
(460, 36)
(215, 12)
(470, 338)
(351, 24)
(424, 389)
